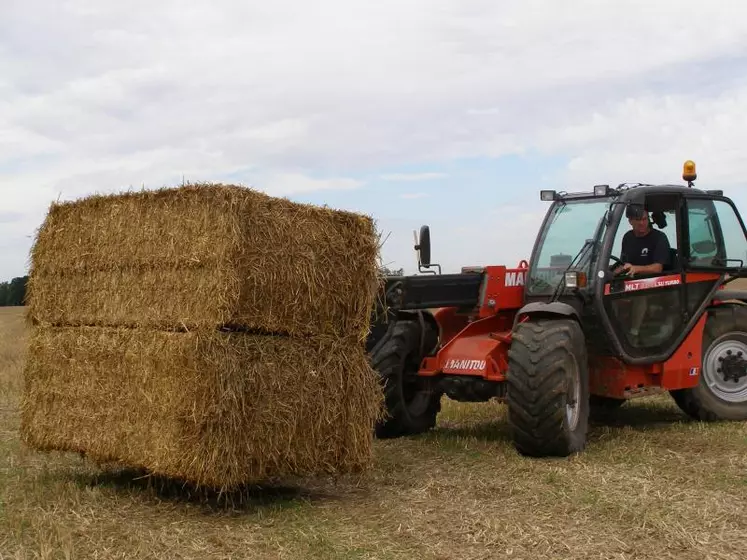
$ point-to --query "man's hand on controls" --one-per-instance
(629, 269)
(633, 269)
(623, 269)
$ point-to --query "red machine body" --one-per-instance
(476, 344)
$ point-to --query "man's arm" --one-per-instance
(653, 268)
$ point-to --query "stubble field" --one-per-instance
(652, 484)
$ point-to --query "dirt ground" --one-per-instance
(651, 485)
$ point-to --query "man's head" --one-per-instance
(638, 219)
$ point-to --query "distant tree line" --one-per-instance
(13, 293)
(385, 271)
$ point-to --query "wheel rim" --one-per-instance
(573, 396)
(726, 356)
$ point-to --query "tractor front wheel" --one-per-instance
(548, 388)
(721, 393)
(411, 405)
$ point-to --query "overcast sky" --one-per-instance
(452, 113)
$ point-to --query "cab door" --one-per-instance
(708, 241)
(647, 312)
(716, 245)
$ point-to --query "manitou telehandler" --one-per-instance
(556, 337)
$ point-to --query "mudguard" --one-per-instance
(557, 308)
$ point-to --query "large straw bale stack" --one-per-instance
(204, 256)
(209, 333)
(217, 409)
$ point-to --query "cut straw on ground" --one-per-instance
(214, 409)
(204, 256)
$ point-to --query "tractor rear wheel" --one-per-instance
(548, 388)
(721, 393)
(411, 405)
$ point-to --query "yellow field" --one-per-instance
(652, 486)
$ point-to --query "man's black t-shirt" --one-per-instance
(649, 249)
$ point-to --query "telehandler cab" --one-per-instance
(553, 337)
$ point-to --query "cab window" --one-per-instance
(716, 236)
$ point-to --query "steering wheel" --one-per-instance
(617, 262)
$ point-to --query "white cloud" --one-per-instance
(647, 139)
(284, 184)
(293, 97)
(408, 177)
(339, 84)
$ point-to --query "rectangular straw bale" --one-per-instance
(216, 409)
(204, 256)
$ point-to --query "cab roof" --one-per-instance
(626, 192)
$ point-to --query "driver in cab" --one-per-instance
(645, 250)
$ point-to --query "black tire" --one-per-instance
(411, 406)
(544, 356)
(725, 329)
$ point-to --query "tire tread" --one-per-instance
(388, 361)
(537, 387)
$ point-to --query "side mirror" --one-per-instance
(423, 246)
(704, 247)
